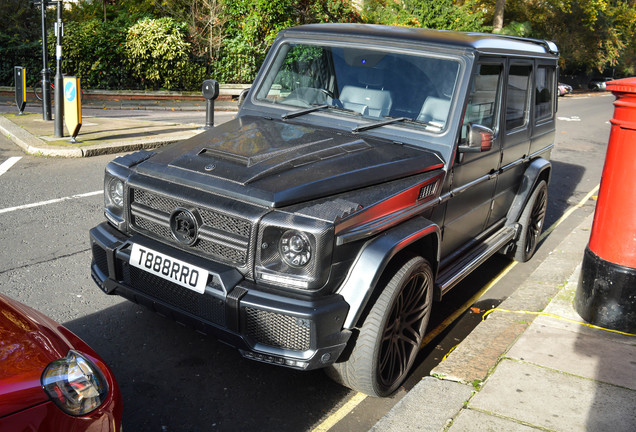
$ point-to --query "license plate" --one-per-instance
(168, 268)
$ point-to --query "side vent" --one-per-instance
(427, 191)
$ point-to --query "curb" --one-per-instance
(35, 146)
(460, 376)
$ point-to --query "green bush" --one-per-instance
(251, 27)
(159, 55)
(94, 51)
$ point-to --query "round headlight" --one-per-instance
(75, 384)
(116, 192)
(295, 248)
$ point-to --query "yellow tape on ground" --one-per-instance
(557, 317)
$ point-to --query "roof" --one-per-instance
(483, 42)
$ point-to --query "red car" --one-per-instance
(51, 380)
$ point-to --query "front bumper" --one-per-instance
(297, 333)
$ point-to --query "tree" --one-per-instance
(498, 18)
(441, 14)
(20, 40)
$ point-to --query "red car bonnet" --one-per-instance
(29, 341)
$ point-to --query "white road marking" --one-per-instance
(4, 167)
(569, 119)
(53, 201)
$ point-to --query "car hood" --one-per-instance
(29, 341)
(278, 163)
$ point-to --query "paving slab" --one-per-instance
(470, 420)
(430, 406)
(594, 357)
(554, 400)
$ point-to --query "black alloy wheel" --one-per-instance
(531, 222)
(391, 334)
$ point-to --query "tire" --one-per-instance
(391, 334)
(531, 222)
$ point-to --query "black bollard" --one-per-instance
(210, 93)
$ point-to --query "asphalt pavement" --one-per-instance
(531, 364)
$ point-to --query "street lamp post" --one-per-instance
(46, 74)
(59, 78)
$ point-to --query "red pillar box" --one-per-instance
(606, 294)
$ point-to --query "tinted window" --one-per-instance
(369, 82)
(544, 89)
(482, 103)
(517, 96)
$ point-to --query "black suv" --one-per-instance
(368, 171)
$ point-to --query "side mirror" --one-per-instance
(479, 139)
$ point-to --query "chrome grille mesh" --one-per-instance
(277, 330)
(231, 234)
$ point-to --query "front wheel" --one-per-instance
(391, 334)
(531, 222)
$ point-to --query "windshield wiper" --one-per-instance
(304, 111)
(379, 124)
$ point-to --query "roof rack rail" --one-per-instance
(551, 47)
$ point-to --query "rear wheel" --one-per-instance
(531, 222)
(391, 334)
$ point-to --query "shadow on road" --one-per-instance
(175, 379)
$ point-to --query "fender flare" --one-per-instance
(530, 179)
(373, 259)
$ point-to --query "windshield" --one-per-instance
(373, 84)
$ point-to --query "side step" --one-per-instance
(453, 274)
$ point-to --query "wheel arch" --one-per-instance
(539, 169)
(417, 236)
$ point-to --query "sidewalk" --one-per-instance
(102, 135)
(527, 372)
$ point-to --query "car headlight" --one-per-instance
(294, 251)
(114, 198)
(75, 384)
(295, 248)
(115, 192)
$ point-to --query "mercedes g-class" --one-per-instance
(368, 170)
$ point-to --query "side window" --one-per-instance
(482, 102)
(517, 96)
(544, 89)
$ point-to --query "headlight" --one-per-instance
(295, 248)
(115, 191)
(75, 384)
(294, 251)
(114, 198)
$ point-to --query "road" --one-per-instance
(174, 379)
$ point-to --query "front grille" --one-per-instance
(223, 237)
(206, 307)
(277, 330)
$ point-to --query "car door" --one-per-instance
(515, 137)
(472, 183)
